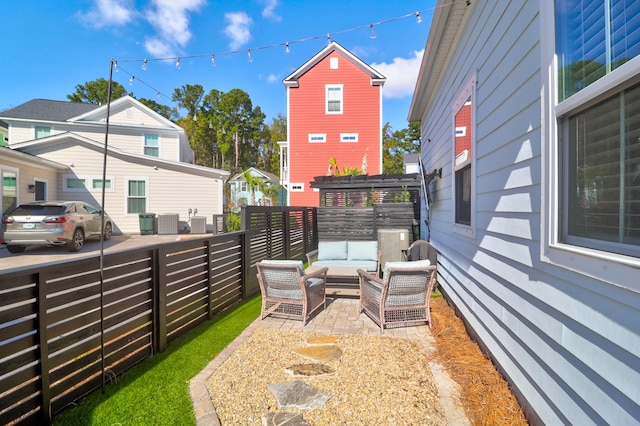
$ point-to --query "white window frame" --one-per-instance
(145, 179)
(296, 187)
(88, 183)
(317, 137)
(348, 137)
(328, 88)
(145, 146)
(459, 163)
(35, 131)
(606, 266)
(9, 169)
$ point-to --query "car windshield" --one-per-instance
(38, 210)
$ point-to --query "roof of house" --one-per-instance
(270, 176)
(48, 110)
(376, 77)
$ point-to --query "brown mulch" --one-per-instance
(484, 394)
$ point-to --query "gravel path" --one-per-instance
(378, 381)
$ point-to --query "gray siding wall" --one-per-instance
(569, 343)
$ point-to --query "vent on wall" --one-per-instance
(168, 223)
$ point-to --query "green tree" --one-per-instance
(189, 97)
(270, 151)
(97, 92)
(164, 110)
(396, 144)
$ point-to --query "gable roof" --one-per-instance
(48, 110)
(267, 175)
(377, 79)
(29, 159)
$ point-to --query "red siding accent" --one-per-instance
(361, 115)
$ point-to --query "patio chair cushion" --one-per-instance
(297, 263)
(405, 265)
(362, 250)
(332, 250)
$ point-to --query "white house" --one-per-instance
(148, 161)
(531, 109)
(242, 194)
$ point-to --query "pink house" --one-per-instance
(334, 110)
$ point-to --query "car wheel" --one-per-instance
(16, 249)
(77, 241)
(108, 231)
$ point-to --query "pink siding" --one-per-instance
(361, 115)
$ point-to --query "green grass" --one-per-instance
(156, 391)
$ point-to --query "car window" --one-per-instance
(36, 210)
(90, 209)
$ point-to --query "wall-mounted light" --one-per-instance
(155, 167)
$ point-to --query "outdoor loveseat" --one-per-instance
(346, 254)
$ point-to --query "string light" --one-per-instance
(328, 38)
(213, 60)
(373, 31)
(178, 66)
(133, 77)
(418, 18)
(144, 65)
(249, 55)
(286, 47)
(115, 66)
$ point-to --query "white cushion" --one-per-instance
(332, 250)
(362, 250)
(297, 263)
(405, 265)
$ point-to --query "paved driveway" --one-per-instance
(39, 255)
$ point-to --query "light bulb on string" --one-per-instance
(328, 38)
(373, 31)
(286, 47)
(418, 18)
(159, 96)
(178, 66)
(133, 77)
(213, 60)
(249, 55)
(144, 65)
(115, 66)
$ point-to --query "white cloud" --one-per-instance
(171, 20)
(237, 28)
(109, 12)
(272, 78)
(401, 75)
(269, 10)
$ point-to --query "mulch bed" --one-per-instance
(484, 394)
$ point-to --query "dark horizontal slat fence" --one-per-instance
(60, 324)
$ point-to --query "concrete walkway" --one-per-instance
(341, 316)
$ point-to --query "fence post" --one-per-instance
(158, 277)
(45, 379)
(286, 218)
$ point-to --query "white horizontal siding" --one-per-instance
(569, 343)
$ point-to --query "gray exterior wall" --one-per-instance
(566, 333)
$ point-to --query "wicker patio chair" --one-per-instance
(401, 297)
(287, 291)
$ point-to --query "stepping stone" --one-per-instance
(320, 352)
(283, 419)
(309, 370)
(298, 394)
(322, 340)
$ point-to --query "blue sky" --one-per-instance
(51, 46)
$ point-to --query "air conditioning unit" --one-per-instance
(168, 223)
(199, 225)
(392, 244)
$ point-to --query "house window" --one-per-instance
(96, 184)
(598, 129)
(42, 132)
(242, 186)
(593, 38)
(348, 137)
(463, 159)
(317, 137)
(136, 196)
(151, 146)
(334, 98)
(9, 190)
(74, 184)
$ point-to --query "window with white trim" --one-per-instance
(317, 137)
(76, 183)
(151, 145)
(463, 156)
(41, 132)
(348, 137)
(334, 98)
(598, 130)
(136, 196)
